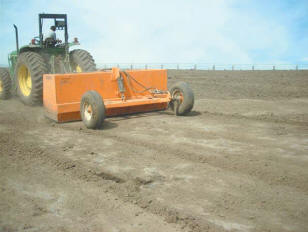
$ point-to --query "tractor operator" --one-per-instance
(52, 33)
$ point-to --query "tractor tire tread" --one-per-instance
(6, 84)
(84, 59)
(37, 67)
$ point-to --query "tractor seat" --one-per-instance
(49, 43)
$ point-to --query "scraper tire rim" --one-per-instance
(182, 98)
(92, 109)
(5, 84)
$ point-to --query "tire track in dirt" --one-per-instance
(128, 190)
(274, 186)
(131, 186)
(228, 199)
(118, 186)
(260, 168)
(269, 117)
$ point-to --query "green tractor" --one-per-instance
(43, 55)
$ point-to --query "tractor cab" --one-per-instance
(60, 24)
(28, 63)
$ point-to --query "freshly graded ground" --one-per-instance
(237, 162)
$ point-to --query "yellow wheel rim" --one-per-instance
(24, 80)
(78, 69)
(0, 86)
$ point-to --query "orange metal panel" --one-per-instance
(62, 92)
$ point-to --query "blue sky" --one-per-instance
(170, 31)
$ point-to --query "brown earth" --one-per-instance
(238, 162)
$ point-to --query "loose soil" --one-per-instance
(237, 162)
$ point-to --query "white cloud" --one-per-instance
(305, 59)
(163, 31)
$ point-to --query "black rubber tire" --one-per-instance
(96, 102)
(36, 65)
(6, 84)
(83, 59)
(184, 107)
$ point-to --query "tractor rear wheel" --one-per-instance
(82, 61)
(182, 98)
(5, 84)
(29, 71)
(92, 109)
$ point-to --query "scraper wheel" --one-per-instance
(182, 98)
(92, 110)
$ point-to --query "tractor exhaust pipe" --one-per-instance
(16, 35)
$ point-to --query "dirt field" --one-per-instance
(238, 162)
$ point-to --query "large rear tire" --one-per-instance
(182, 98)
(29, 71)
(82, 61)
(5, 84)
(92, 109)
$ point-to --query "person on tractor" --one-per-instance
(51, 38)
(52, 33)
(30, 62)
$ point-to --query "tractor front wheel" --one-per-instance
(82, 61)
(5, 84)
(29, 71)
